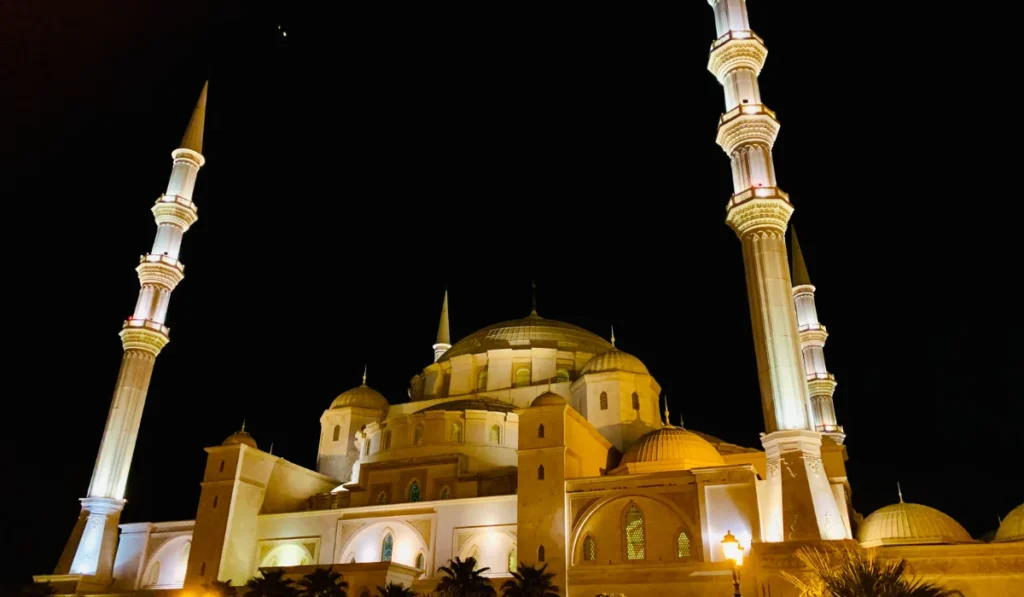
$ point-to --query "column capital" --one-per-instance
(760, 209)
(736, 50)
(160, 270)
(175, 210)
(791, 440)
(193, 157)
(822, 385)
(144, 336)
(804, 289)
(747, 124)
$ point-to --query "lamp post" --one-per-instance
(733, 551)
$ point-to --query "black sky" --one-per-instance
(371, 159)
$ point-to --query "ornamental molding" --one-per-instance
(821, 387)
(747, 129)
(737, 54)
(144, 340)
(188, 156)
(814, 337)
(175, 213)
(159, 274)
(766, 216)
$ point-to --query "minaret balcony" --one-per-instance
(736, 50)
(160, 270)
(772, 193)
(175, 210)
(747, 124)
(759, 209)
(812, 335)
(145, 336)
(147, 324)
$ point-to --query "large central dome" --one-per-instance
(532, 331)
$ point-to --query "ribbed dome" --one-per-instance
(673, 446)
(472, 404)
(532, 331)
(363, 397)
(910, 524)
(1012, 528)
(240, 438)
(614, 360)
(549, 399)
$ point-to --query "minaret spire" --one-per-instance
(668, 421)
(821, 385)
(90, 551)
(365, 367)
(802, 506)
(899, 491)
(533, 298)
(613, 336)
(444, 335)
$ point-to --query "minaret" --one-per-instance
(821, 384)
(799, 501)
(444, 336)
(90, 550)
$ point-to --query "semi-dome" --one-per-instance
(1012, 527)
(614, 360)
(532, 331)
(548, 399)
(240, 438)
(910, 524)
(672, 446)
(472, 404)
(364, 397)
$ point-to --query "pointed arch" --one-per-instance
(589, 549)
(540, 431)
(636, 401)
(337, 432)
(513, 563)
(445, 493)
(457, 432)
(417, 435)
(414, 491)
(420, 561)
(382, 498)
(682, 545)
(540, 553)
(481, 380)
(387, 546)
(633, 529)
(604, 400)
(540, 473)
(496, 434)
(387, 439)
(153, 575)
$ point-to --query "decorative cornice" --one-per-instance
(822, 386)
(813, 337)
(768, 214)
(737, 52)
(175, 210)
(144, 338)
(189, 156)
(803, 289)
(747, 124)
(160, 270)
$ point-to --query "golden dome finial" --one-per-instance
(533, 298)
(668, 421)
(364, 374)
(613, 336)
(899, 491)
(243, 426)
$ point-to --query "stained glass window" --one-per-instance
(495, 434)
(683, 544)
(417, 436)
(636, 401)
(445, 493)
(386, 548)
(512, 564)
(456, 432)
(540, 553)
(419, 562)
(540, 473)
(634, 533)
(414, 492)
(604, 400)
(540, 430)
(589, 550)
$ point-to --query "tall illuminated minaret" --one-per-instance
(821, 384)
(798, 503)
(444, 336)
(90, 550)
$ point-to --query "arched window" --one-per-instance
(457, 432)
(417, 435)
(561, 375)
(513, 565)
(634, 533)
(153, 578)
(540, 473)
(337, 432)
(540, 431)
(382, 497)
(495, 434)
(216, 499)
(445, 493)
(387, 547)
(387, 439)
(481, 380)
(604, 400)
(522, 377)
(414, 492)
(636, 401)
(420, 561)
(540, 553)
(366, 447)
(221, 470)
(683, 545)
(589, 549)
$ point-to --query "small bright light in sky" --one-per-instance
(284, 33)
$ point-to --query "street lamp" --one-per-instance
(733, 551)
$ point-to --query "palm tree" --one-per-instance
(530, 581)
(323, 582)
(854, 573)
(273, 584)
(463, 579)
(220, 589)
(394, 589)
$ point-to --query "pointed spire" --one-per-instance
(800, 276)
(243, 426)
(613, 336)
(899, 491)
(681, 426)
(668, 421)
(364, 374)
(193, 138)
(444, 335)
(533, 298)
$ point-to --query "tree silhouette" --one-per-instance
(323, 582)
(854, 573)
(220, 588)
(272, 584)
(394, 589)
(530, 581)
(463, 579)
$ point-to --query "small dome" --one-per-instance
(240, 438)
(614, 360)
(673, 446)
(1012, 528)
(548, 399)
(364, 397)
(910, 524)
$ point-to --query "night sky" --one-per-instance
(371, 159)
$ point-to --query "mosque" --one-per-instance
(532, 441)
